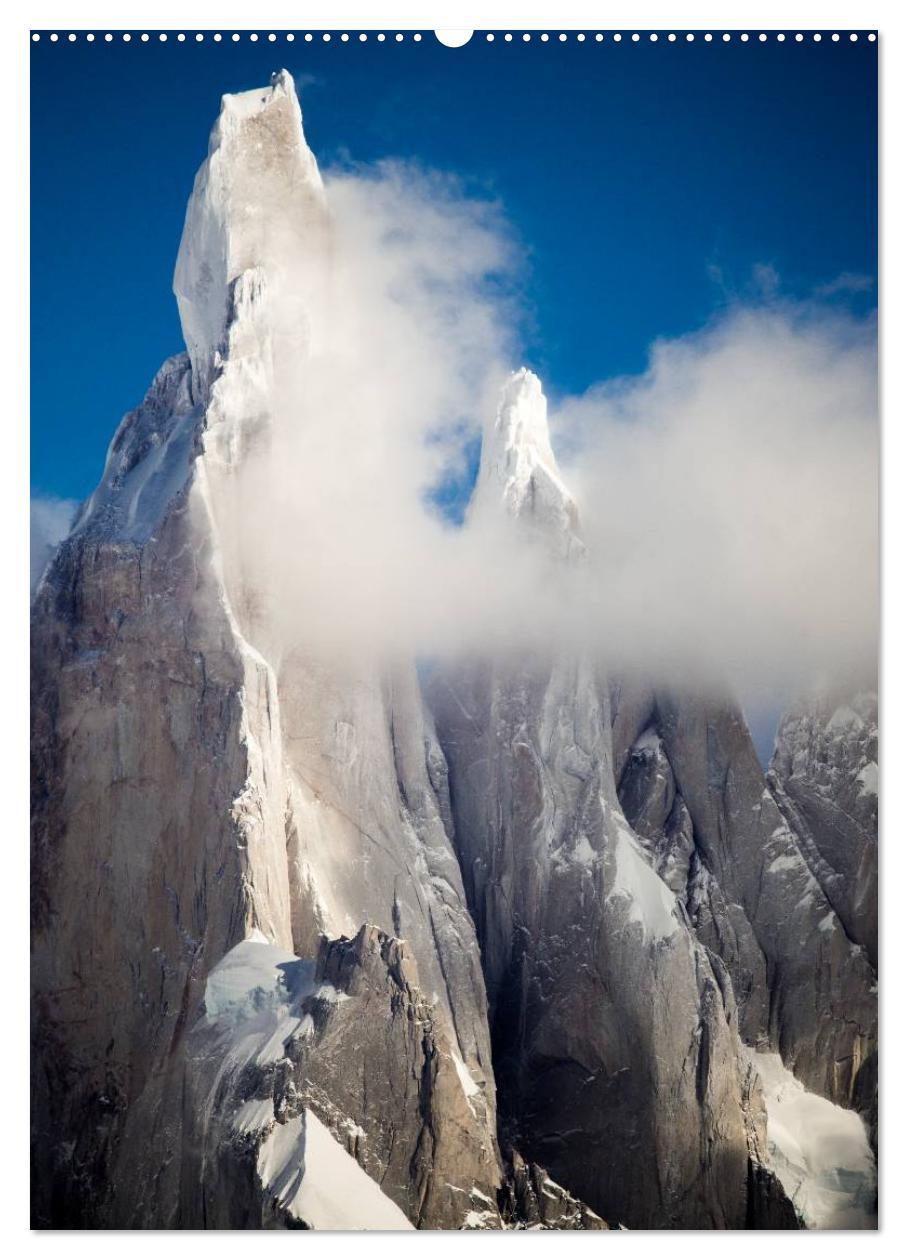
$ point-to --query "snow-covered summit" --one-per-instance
(252, 251)
(257, 205)
(518, 470)
(236, 106)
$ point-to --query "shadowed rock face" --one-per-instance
(754, 886)
(142, 873)
(613, 1030)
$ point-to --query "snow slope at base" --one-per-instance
(316, 1181)
(819, 1151)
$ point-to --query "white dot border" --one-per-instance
(516, 38)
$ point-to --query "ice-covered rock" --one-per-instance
(192, 783)
(518, 476)
(149, 462)
(604, 1006)
(803, 986)
(257, 211)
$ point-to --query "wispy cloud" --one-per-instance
(51, 519)
(847, 282)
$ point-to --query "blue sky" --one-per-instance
(645, 181)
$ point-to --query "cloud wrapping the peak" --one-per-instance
(334, 519)
(727, 496)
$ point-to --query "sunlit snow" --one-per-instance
(316, 1181)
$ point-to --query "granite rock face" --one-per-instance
(824, 775)
(614, 1030)
(190, 785)
(804, 987)
(347, 1038)
(141, 872)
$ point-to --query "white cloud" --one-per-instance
(334, 520)
(848, 282)
(50, 521)
(728, 495)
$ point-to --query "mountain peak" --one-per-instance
(257, 204)
(521, 423)
(518, 471)
(239, 107)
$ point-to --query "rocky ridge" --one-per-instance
(312, 805)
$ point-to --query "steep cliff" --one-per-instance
(614, 1030)
(824, 775)
(690, 781)
(194, 782)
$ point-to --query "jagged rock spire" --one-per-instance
(518, 472)
(257, 205)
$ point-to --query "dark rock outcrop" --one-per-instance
(530, 1199)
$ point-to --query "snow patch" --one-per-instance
(467, 1084)
(328, 993)
(480, 1220)
(254, 1115)
(843, 718)
(584, 852)
(649, 741)
(250, 978)
(651, 903)
(819, 1151)
(869, 779)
